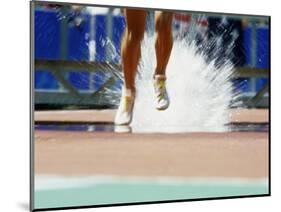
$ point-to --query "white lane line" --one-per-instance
(45, 182)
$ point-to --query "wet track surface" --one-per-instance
(109, 127)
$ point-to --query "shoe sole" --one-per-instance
(122, 129)
(162, 109)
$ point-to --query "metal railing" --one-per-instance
(72, 96)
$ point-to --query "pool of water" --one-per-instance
(110, 127)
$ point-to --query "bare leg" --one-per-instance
(131, 45)
(163, 48)
(131, 52)
(164, 40)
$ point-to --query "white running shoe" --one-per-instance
(161, 96)
(125, 110)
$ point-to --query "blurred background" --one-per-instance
(77, 53)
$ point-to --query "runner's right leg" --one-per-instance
(131, 52)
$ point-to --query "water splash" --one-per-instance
(200, 92)
(198, 83)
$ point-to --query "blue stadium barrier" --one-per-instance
(80, 80)
(78, 38)
(100, 29)
(118, 29)
(47, 35)
(247, 33)
(262, 54)
(45, 80)
(77, 50)
(100, 39)
(48, 44)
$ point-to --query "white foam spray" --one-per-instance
(200, 92)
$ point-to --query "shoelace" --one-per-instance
(161, 86)
(126, 102)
